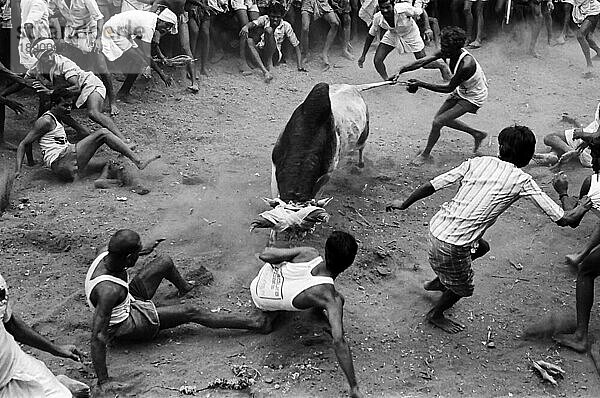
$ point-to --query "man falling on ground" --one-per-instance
(267, 47)
(488, 186)
(123, 307)
(402, 33)
(65, 159)
(298, 279)
(467, 88)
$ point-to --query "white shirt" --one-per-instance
(131, 24)
(280, 32)
(33, 12)
(404, 20)
(82, 18)
(488, 186)
(9, 350)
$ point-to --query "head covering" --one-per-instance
(170, 17)
(41, 46)
(3, 285)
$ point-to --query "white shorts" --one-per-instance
(585, 157)
(247, 5)
(33, 379)
(410, 42)
(113, 44)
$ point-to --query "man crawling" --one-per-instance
(65, 159)
(488, 186)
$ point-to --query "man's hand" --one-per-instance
(412, 85)
(560, 183)
(17, 107)
(550, 6)
(68, 351)
(585, 202)
(355, 393)
(361, 61)
(302, 69)
(396, 204)
(168, 80)
(244, 32)
(428, 34)
(98, 45)
(40, 88)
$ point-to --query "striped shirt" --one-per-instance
(488, 186)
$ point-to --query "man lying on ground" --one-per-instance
(565, 146)
(92, 92)
(488, 186)
(65, 159)
(401, 33)
(21, 374)
(123, 307)
(467, 88)
(298, 279)
(267, 46)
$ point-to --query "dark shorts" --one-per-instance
(455, 99)
(143, 323)
(341, 7)
(65, 166)
(452, 265)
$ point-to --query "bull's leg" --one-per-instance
(361, 164)
(324, 179)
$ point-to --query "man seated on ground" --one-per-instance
(21, 375)
(68, 160)
(298, 279)
(118, 40)
(92, 92)
(402, 33)
(123, 307)
(268, 47)
(467, 88)
(488, 186)
(564, 147)
(83, 41)
(313, 10)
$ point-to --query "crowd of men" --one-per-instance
(74, 51)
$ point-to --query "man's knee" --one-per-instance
(550, 139)
(334, 21)
(438, 122)
(165, 260)
(268, 31)
(94, 114)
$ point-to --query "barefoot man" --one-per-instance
(123, 307)
(68, 160)
(468, 89)
(488, 186)
(585, 15)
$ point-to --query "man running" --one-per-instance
(488, 186)
(68, 160)
(401, 33)
(298, 279)
(468, 89)
(585, 15)
(123, 307)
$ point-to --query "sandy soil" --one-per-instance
(224, 136)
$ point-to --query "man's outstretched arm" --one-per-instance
(106, 299)
(464, 72)
(422, 192)
(335, 312)
(275, 255)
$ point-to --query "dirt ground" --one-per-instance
(223, 137)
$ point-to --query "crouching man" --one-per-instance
(22, 375)
(298, 279)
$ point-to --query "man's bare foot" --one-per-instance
(143, 163)
(573, 259)
(106, 183)
(7, 146)
(190, 285)
(421, 159)
(474, 44)
(245, 69)
(446, 324)
(478, 140)
(203, 72)
(552, 42)
(595, 353)
(589, 73)
(126, 98)
(114, 110)
(533, 53)
(140, 190)
(217, 56)
(346, 54)
(434, 286)
(545, 159)
(560, 40)
(572, 341)
(268, 77)
(325, 58)
(194, 88)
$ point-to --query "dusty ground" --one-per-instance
(224, 135)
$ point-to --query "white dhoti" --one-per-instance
(409, 42)
(91, 83)
(32, 379)
(113, 44)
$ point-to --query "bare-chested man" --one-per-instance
(467, 88)
(123, 307)
(65, 159)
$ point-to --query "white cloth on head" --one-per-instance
(120, 30)
(169, 17)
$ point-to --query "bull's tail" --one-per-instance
(365, 87)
